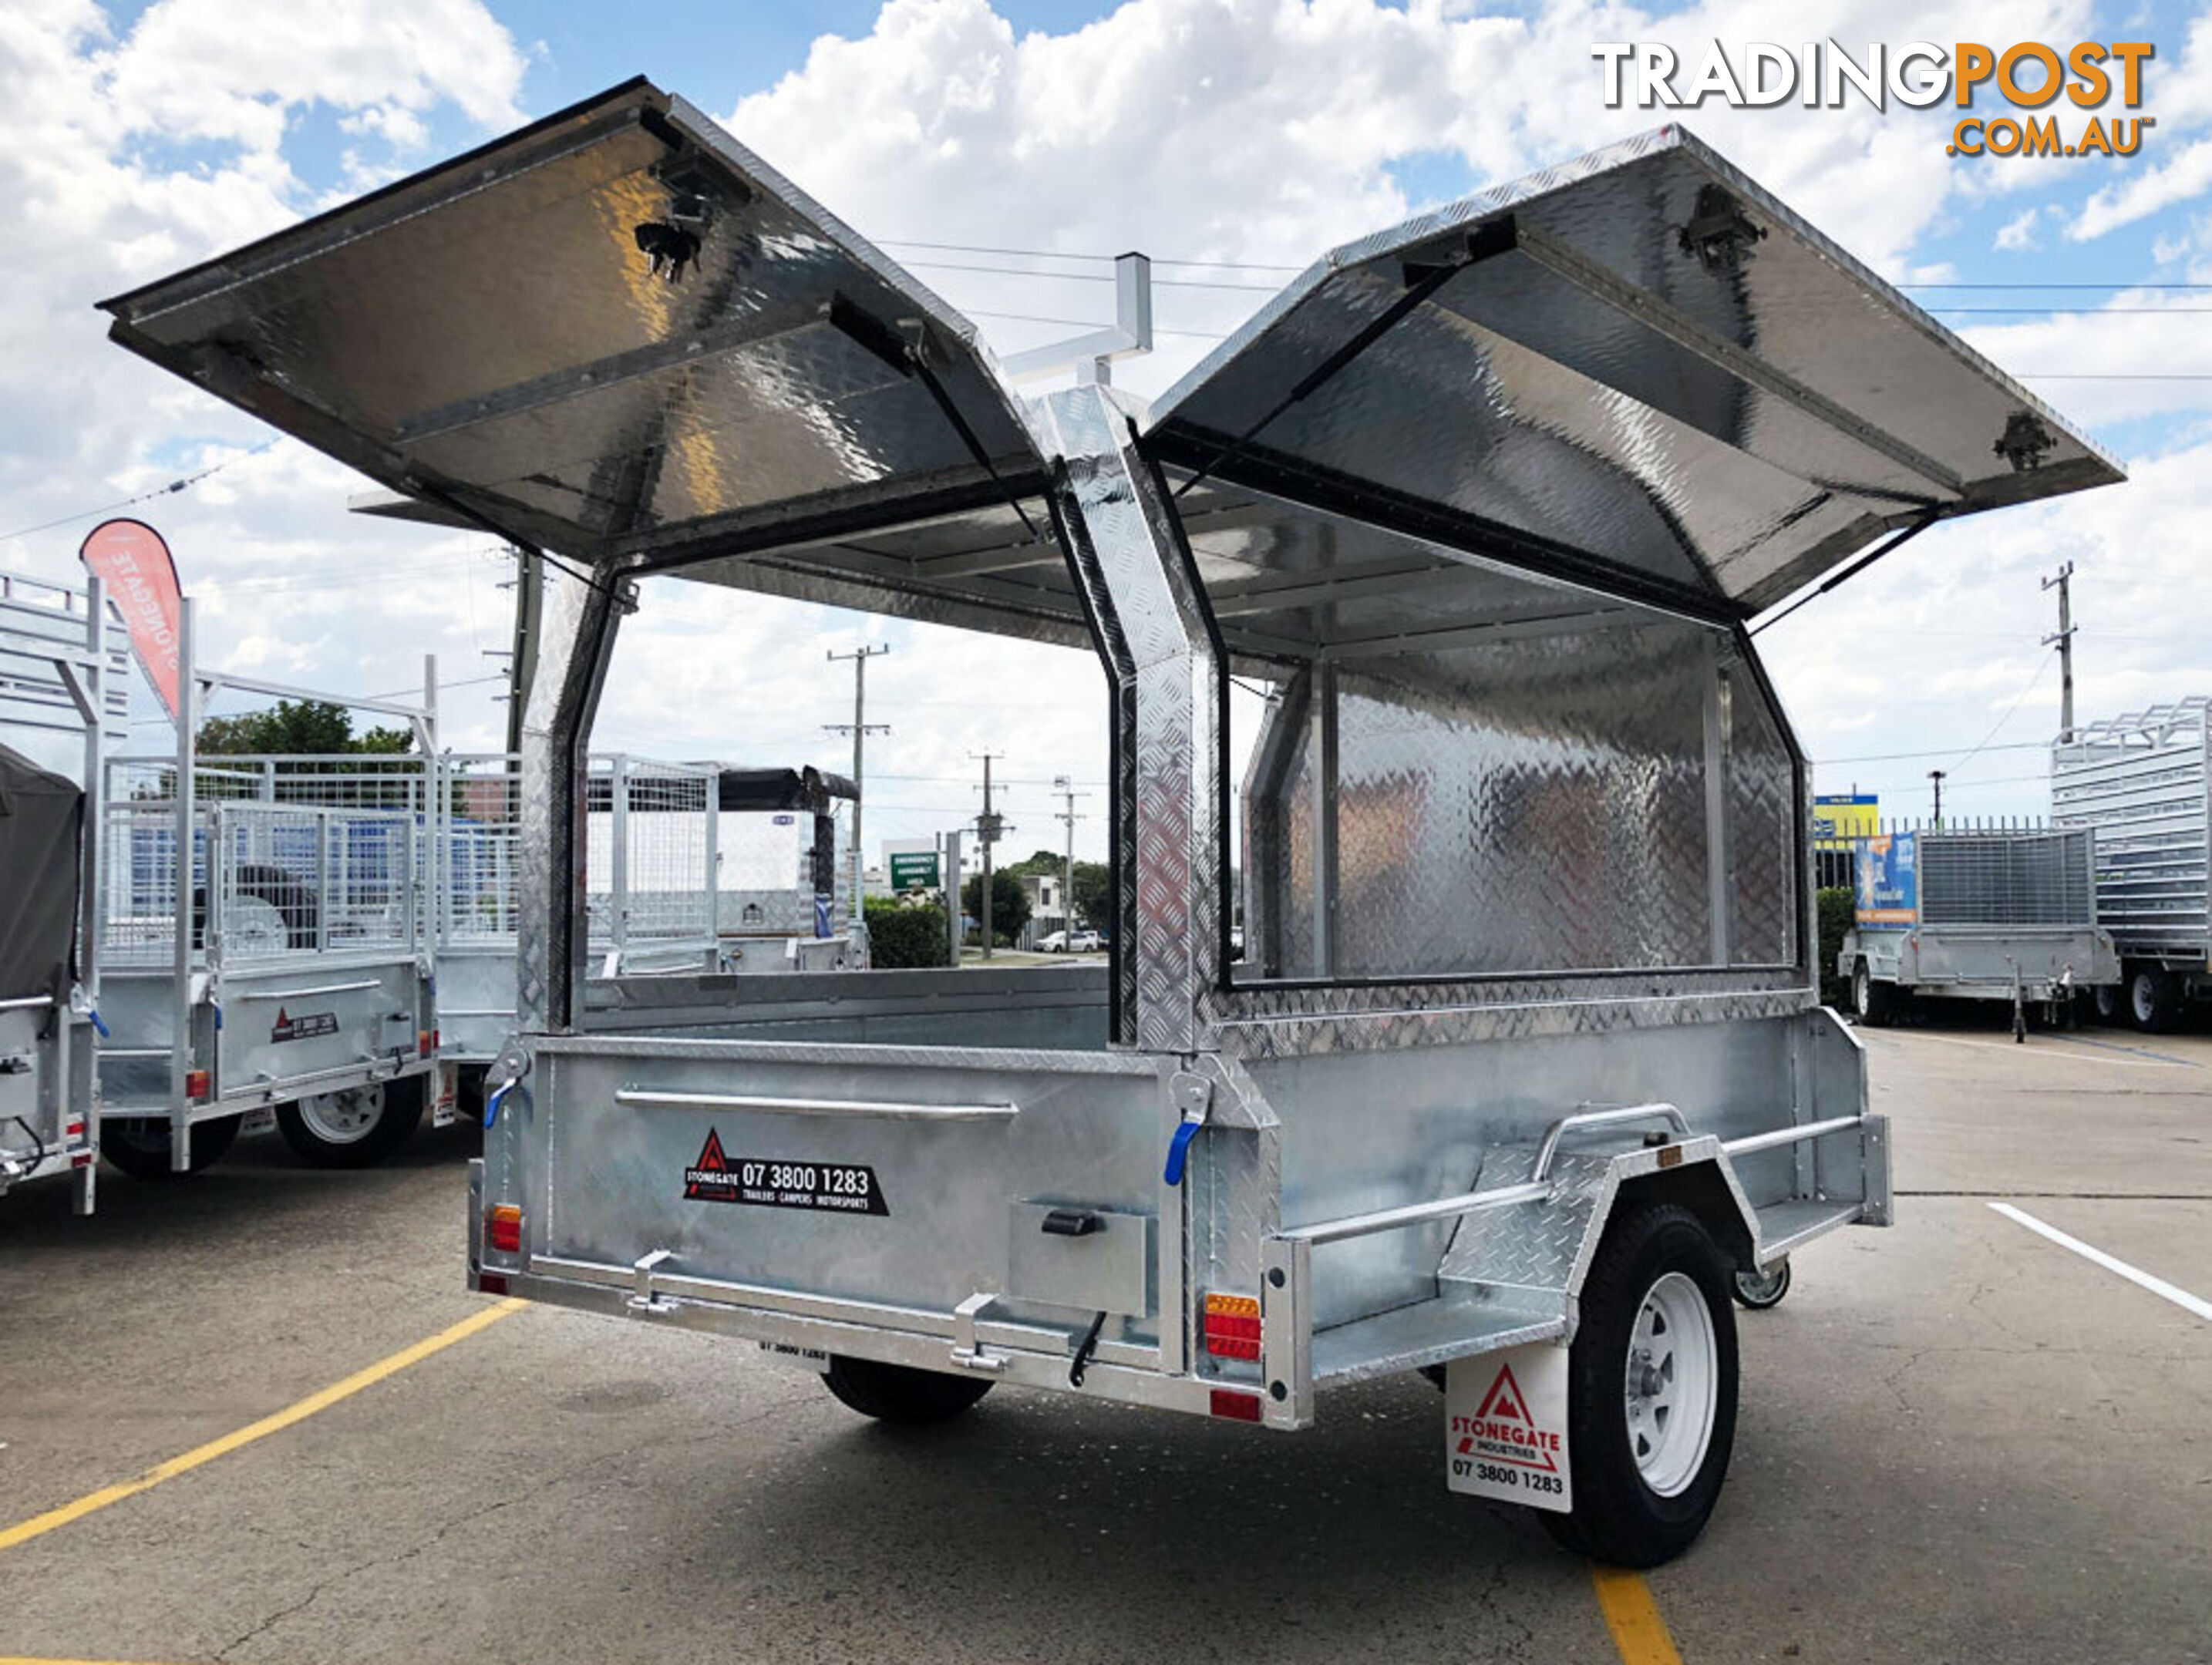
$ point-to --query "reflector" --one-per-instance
(1237, 1407)
(504, 1231)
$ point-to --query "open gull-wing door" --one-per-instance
(614, 333)
(1637, 371)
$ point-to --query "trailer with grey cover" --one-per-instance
(1522, 1071)
(63, 668)
(1972, 914)
(2139, 781)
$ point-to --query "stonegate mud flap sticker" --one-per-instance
(832, 1188)
(1505, 1426)
(305, 1027)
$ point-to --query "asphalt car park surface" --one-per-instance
(1959, 1440)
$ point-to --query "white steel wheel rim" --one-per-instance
(1861, 989)
(2144, 996)
(256, 925)
(1672, 1383)
(344, 1117)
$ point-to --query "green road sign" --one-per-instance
(916, 869)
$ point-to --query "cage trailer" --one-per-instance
(1955, 914)
(65, 662)
(1523, 1071)
(2139, 781)
(260, 958)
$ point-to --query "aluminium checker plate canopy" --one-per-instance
(1636, 369)
(619, 335)
(612, 330)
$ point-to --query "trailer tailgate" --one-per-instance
(891, 1175)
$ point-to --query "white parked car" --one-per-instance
(1086, 942)
(1054, 942)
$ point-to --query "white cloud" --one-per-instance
(2188, 174)
(1261, 130)
(2018, 232)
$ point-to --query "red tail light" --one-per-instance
(197, 1084)
(1232, 1326)
(1237, 1407)
(426, 1042)
(505, 1228)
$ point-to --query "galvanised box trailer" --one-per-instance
(651, 827)
(1522, 1066)
(2139, 781)
(1973, 914)
(65, 666)
(259, 958)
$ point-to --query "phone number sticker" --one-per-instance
(831, 1187)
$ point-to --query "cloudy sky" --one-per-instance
(135, 139)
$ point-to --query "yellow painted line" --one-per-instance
(1631, 1615)
(92, 1502)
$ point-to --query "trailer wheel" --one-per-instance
(271, 910)
(1757, 1291)
(1874, 1002)
(139, 1144)
(2154, 999)
(1651, 1390)
(2111, 1007)
(896, 1393)
(354, 1126)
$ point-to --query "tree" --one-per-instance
(1094, 894)
(1010, 903)
(297, 729)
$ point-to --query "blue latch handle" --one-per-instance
(95, 1015)
(1179, 1151)
(492, 1102)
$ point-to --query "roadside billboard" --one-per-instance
(1839, 815)
(1889, 881)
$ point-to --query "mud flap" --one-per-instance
(1505, 1426)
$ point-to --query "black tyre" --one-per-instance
(2154, 999)
(271, 909)
(1651, 1390)
(1874, 1002)
(139, 1144)
(1757, 1291)
(356, 1127)
(2111, 1004)
(895, 1392)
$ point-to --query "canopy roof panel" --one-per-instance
(615, 329)
(620, 335)
(1638, 368)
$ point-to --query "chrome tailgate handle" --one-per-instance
(891, 1110)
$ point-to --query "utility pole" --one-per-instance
(988, 826)
(859, 728)
(2065, 641)
(1067, 817)
(1936, 775)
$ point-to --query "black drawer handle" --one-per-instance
(1072, 1223)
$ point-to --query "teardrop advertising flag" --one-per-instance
(141, 574)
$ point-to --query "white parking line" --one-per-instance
(2046, 1048)
(2159, 1287)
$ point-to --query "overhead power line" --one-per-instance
(189, 480)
